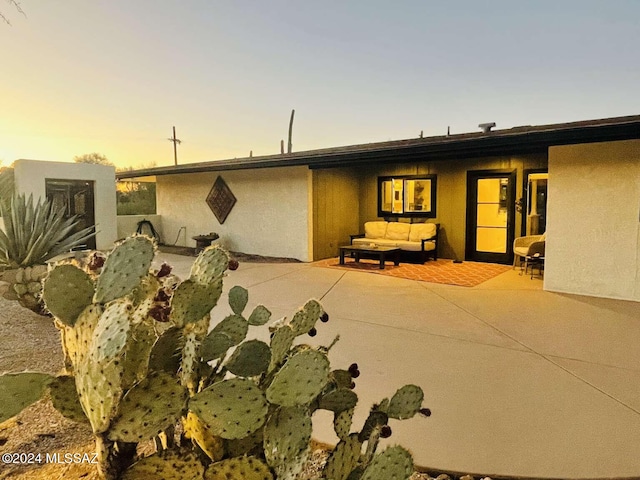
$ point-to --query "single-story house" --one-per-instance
(579, 182)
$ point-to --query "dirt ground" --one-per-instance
(31, 342)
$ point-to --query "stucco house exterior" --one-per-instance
(578, 181)
(85, 190)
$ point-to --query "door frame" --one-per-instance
(472, 216)
(525, 196)
(70, 187)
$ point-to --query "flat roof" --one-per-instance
(516, 140)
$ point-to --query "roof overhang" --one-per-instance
(518, 140)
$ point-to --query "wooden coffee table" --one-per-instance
(381, 253)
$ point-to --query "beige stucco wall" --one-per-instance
(30, 176)
(593, 220)
(270, 217)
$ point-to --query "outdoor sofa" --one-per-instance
(413, 239)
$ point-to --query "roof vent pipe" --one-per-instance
(486, 127)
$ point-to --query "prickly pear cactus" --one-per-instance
(19, 390)
(64, 398)
(250, 359)
(344, 458)
(149, 408)
(239, 468)
(394, 463)
(406, 402)
(168, 464)
(66, 292)
(231, 408)
(143, 359)
(124, 268)
(300, 380)
(287, 434)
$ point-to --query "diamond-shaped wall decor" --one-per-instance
(221, 200)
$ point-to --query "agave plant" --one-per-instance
(36, 233)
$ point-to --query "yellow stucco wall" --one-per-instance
(269, 218)
(593, 220)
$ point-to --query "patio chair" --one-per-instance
(527, 247)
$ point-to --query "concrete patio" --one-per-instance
(521, 382)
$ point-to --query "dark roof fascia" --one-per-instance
(501, 142)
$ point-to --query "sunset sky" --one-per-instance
(113, 76)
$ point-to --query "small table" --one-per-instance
(377, 252)
(203, 241)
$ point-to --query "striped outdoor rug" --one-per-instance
(466, 274)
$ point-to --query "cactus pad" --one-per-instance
(306, 318)
(300, 379)
(67, 291)
(238, 298)
(234, 326)
(99, 390)
(168, 464)
(190, 361)
(342, 378)
(165, 353)
(280, 344)
(231, 408)
(210, 265)
(136, 360)
(214, 346)
(406, 402)
(250, 359)
(259, 316)
(110, 335)
(374, 421)
(19, 390)
(148, 408)
(342, 423)
(339, 400)
(286, 439)
(394, 463)
(65, 398)
(77, 339)
(344, 459)
(199, 432)
(193, 301)
(124, 268)
(239, 468)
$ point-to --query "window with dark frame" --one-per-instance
(407, 196)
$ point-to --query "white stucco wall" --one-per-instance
(270, 217)
(593, 223)
(30, 176)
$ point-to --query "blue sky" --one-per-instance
(114, 76)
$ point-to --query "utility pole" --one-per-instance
(175, 146)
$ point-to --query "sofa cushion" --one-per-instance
(375, 229)
(422, 231)
(380, 242)
(415, 246)
(397, 231)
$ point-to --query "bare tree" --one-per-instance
(95, 158)
(17, 6)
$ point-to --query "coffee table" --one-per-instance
(381, 253)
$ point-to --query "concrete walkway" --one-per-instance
(520, 381)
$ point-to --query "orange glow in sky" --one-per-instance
(114, 76)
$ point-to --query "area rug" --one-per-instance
(465, 274)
